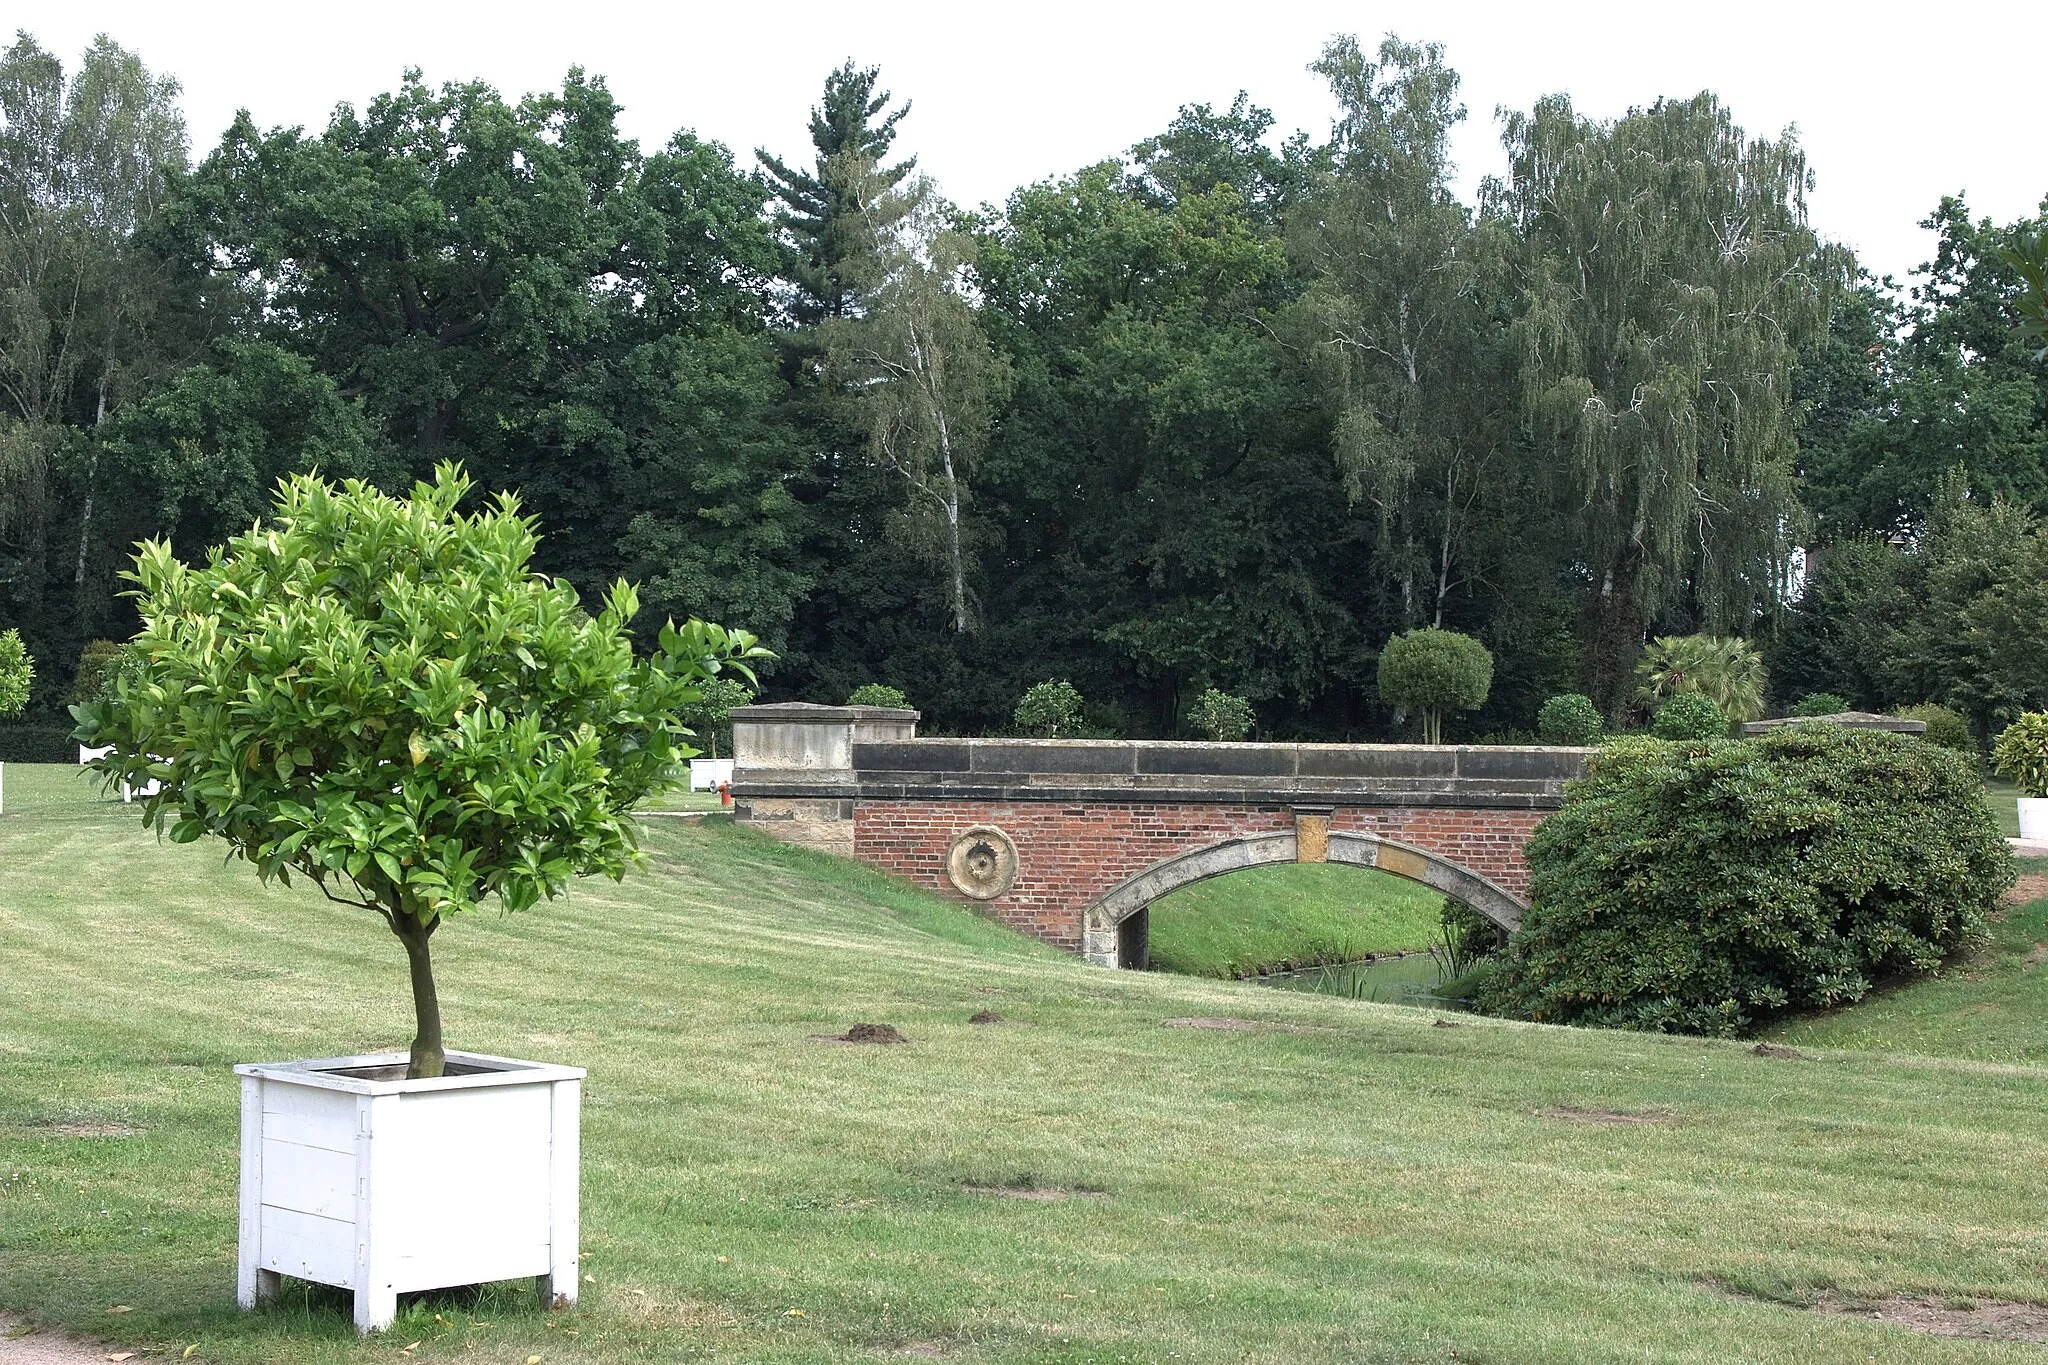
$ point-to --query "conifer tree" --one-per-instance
(833, 213)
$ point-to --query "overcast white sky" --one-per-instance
(1897, 104)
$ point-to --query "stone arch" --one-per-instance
(1100, 919)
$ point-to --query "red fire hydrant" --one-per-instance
(725, 793)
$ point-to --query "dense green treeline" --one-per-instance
(1228, 412)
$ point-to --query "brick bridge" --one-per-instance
(1071, 840)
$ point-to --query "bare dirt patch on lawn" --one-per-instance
(1972, 1319)
(2032, 886)
(21, 1344)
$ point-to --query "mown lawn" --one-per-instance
(2004, 799)
(1350, 1183)
(1297, 914)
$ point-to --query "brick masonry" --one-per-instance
(1070, 853)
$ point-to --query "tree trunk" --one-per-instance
(1614, 636)
(92, 469)
(428, 1057)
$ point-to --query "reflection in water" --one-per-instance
(1404, 979)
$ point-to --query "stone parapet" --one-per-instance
(805, 743)
(1467, 777)
(1852, 720)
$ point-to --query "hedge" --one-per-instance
(38, 742)
(1707, 887)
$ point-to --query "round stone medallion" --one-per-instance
(982, 863)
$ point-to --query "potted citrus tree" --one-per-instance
(380, 696)
(2021, 755)
(17, 671)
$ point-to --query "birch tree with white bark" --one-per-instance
(923, 379)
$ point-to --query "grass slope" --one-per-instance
(1352, 1184)
(1991, 1005)
(1296, 913)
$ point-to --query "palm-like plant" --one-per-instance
(1723, 667)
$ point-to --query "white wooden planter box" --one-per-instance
(707, 773)
(353, 1176)
(2034, 817)
(128, 793)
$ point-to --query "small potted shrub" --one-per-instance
(1819, 704)
(379, 696)
(1690, 715)
(879, 694)
(1048, 708)
(2021, 756)
(1222, 716)
(1569, 719)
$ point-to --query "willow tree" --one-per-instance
(1669, 278)
(1400, 314)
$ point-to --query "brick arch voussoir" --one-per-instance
(1099, 920)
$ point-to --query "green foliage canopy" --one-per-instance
(1958, 615)
(1569, 719)
(17, 672)
(1690, 715)
(381, 696)
(878, 694)
(1048, 708)
(709, 717)
(1670, 279)
(2021, 753)
(1221, 716)
(1820, 704)
(1948, 728)
(1725, 668)
(1707, 888)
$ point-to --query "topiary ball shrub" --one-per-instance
(1569, 719)
(1819, 704)
(1949, 729)
(1708, 888)
(1690, 715)
(1433, 671)
(878, 694)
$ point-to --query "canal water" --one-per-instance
(1402, 979)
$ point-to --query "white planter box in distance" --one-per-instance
(355, 1177)
(2034, 818)
(707, 773)
(128, 793)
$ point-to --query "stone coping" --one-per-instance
(1172, 771)
(813, 712)
(1854, 720)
